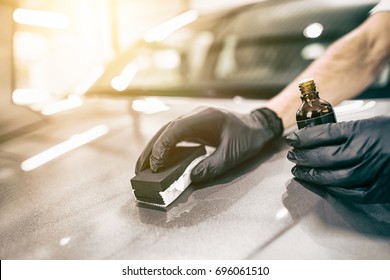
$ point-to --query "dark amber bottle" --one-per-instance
(313, 110)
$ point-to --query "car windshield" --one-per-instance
(251, 51)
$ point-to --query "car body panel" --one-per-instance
(80, 205)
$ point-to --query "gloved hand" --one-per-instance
(351, 160)
(236, 138)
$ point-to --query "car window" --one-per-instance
(253, 51)
(176, 61)
(253, 61)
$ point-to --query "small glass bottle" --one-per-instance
(313, 110)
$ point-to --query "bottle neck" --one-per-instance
(309, 96)
(308, 90)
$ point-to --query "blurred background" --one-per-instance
(59, 45)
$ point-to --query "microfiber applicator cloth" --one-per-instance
(163, 187)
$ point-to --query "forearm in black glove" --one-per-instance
(350, 159)
(236, 138)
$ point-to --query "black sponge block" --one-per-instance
(147, 184)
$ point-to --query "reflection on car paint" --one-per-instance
(72, 143)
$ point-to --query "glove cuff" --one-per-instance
(272, 120)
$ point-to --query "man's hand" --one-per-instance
(236, 138)
(350, 159)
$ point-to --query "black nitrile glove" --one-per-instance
(236, 138)
(351, 160)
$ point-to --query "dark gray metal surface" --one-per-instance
(80, 205)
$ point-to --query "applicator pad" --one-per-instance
(163, 187)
